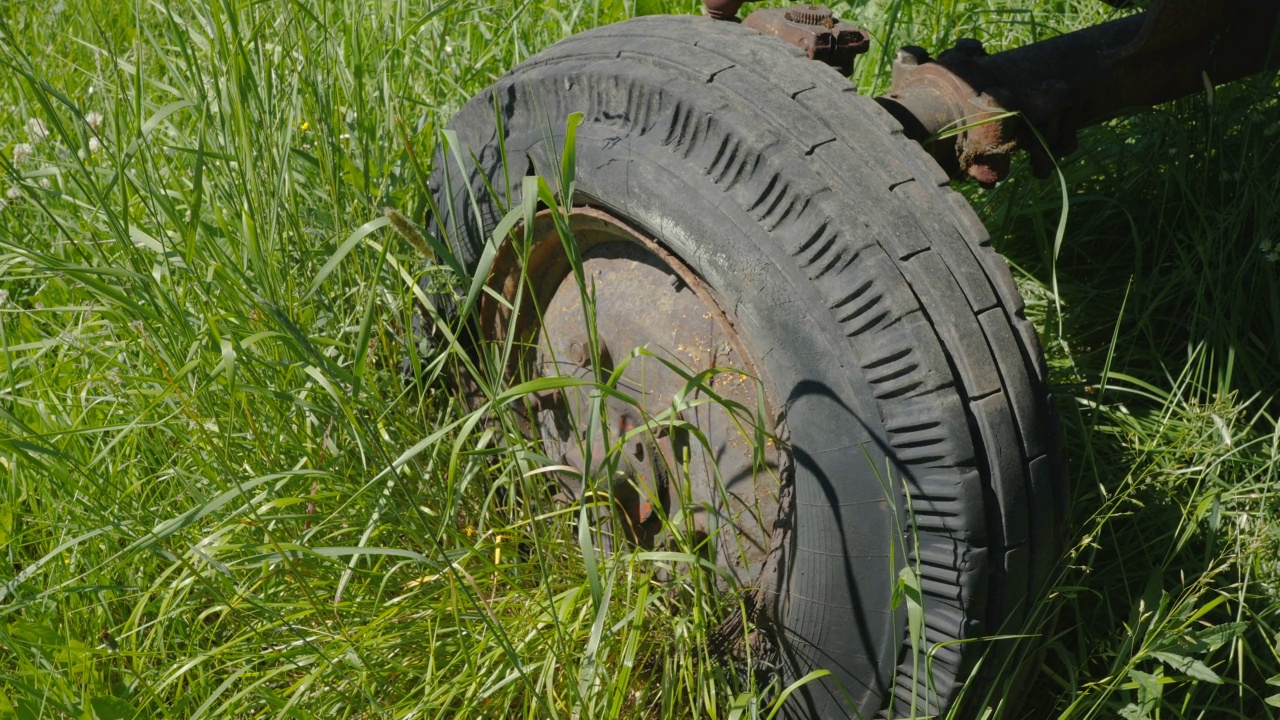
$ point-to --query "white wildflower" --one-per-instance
(94, 145)
(69, 338)
(4, 298)
(13, 193)
(94, 121)
(82, 155)
(36, 130)
(21, 152)
(45, 183)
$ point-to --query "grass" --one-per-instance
(221, 498)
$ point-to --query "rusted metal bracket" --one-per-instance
(815, 30)
(973, 110)
(812, 28)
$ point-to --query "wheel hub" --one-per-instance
(685, 444)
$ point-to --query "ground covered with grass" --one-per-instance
(221, 496)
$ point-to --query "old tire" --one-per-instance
(912, 385)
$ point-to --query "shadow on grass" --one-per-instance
(1164, 345)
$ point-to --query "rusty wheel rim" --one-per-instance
(691, 459)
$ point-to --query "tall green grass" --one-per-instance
(221, 497)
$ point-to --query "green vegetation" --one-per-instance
(220, 496)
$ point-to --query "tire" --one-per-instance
(911, 384)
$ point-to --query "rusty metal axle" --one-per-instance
(973, 109)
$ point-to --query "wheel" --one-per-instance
(721, 176)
